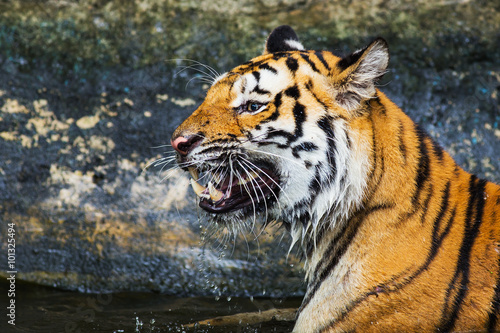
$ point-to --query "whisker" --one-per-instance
(193, 67)
(246, 189)
(209, 68)
(284, 158)
(260, 170)
(251, 165)
(279, 156)
(163, 146)
(204, 79)
(256, 195)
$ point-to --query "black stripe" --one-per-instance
(304, 217)
(319, 54)
(292, 64)
(494, 313)
(437, 236)
(472, 224)
(336, 250)
(277, 100)
(495, 305)
(277, 103)
(325, 125)
(257, 76)
(309, 61)
(257, 89)
(257, 64)
(299, 113)
(423, 170)
(269, 68)
(402, 146)
(243, 88)
(349, 60)
(378, 160)
(251, 63)
(425, 211)
(304, 146)
(309, 87)
(377, 104)
(293, 92)
(438, 150)
(315, 184)
(375, 159)
(272, 133)
(391, 285)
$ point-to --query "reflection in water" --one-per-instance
(47, 310)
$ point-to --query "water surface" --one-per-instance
(48, 310)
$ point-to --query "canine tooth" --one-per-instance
(215, 194)
(194, 173)
(198, 189)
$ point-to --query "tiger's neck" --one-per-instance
(389, 175)
(389, 237)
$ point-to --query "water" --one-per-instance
(47, 310)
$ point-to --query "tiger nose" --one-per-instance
(183, 145)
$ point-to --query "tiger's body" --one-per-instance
(396, 236)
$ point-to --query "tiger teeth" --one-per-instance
(198, 189)
(215, 194)
(194, 173)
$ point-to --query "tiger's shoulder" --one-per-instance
(396, 236)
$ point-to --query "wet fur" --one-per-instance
(396, 236)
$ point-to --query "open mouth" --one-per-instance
(235, 191)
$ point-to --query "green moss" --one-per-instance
(78, 37)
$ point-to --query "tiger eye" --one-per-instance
(253, 106)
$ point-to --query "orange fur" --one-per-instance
(418, 250)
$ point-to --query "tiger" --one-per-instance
(394, 235)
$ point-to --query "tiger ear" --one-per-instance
(283, 38)
(359, 73)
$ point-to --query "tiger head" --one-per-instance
(281, 136)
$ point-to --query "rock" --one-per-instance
(248, 318)
(90, 96)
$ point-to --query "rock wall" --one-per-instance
(90, 92)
